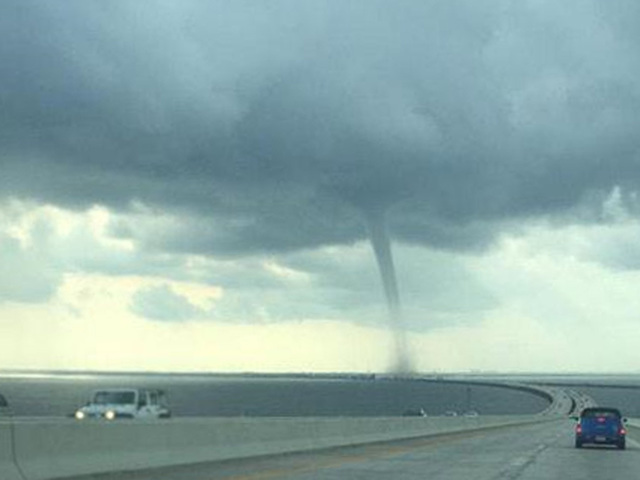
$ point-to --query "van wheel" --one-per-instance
(622, 444)
(578, 443)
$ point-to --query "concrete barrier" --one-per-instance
(634, 423)
(8, 468)
(65, 447)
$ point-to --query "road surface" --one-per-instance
(533, 452)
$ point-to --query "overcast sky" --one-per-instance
(185, 185)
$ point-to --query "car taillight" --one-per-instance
(578, 428)
(623, 431)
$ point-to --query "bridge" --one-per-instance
(491, 447)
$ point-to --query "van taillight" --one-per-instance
(622, 431)
(578, 428)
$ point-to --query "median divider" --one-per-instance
(62, 448)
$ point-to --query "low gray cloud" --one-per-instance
(25, 275)
(271, 127)
(162, 303)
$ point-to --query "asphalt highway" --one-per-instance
(534, 452)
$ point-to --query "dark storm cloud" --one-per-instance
(272, 126)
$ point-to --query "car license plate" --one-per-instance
(600, 438)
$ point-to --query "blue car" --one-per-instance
(600, 425)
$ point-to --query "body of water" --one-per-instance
(202, 395)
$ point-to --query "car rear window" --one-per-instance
(600, 413)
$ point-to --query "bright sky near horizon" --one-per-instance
(187, 187)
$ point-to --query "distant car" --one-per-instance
(125, 403)
(4, 407)
(471, 413)
(450, 413)
(601, 425)
(414, 413)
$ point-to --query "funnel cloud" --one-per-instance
(381, 245)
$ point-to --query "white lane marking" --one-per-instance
(515, 468)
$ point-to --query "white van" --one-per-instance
(125, 403)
